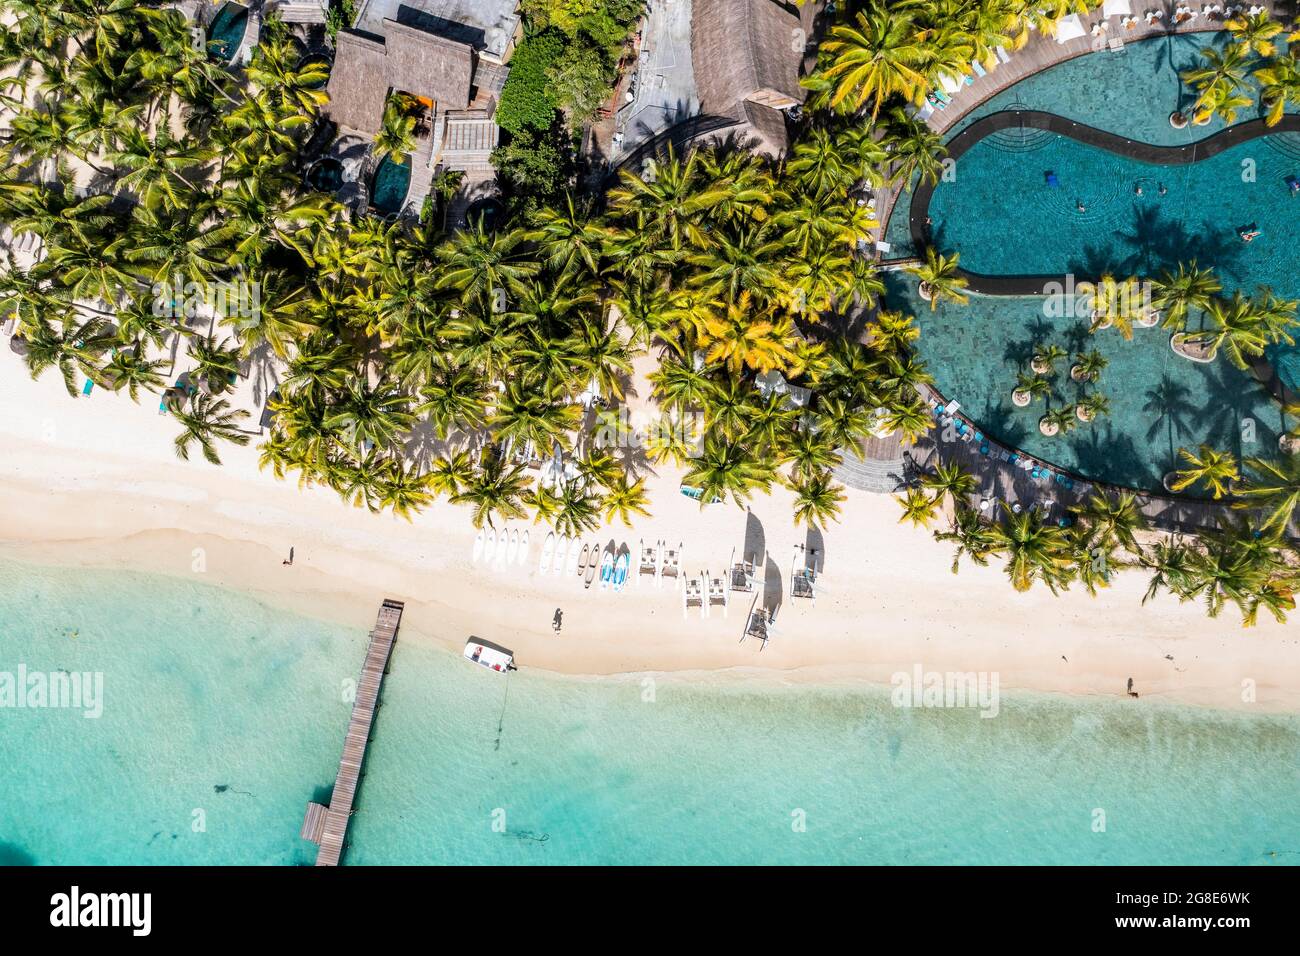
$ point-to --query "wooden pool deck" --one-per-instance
(328, 826)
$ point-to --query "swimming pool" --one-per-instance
(1005, 218)
(226, 31)
(391, 183)
(1034, 202)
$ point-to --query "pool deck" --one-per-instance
(1042, 52)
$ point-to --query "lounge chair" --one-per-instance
(742, 573)
(803, 578)
(760, 624)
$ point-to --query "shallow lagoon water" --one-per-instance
(215, 703)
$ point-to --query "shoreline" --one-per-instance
(887, 600)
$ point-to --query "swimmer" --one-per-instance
(1161, 189)
(1078, 204)
(1137, 189)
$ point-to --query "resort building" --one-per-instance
(450, 55)
(714, 69)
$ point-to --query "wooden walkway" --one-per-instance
(329, 825)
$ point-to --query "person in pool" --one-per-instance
(1160, 188)
(1078, 204)
(1137, 189)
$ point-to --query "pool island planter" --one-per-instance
(1191, 350)
(1048, 427)
(1021, 398)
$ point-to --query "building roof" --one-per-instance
(367, 66)
(739, 47)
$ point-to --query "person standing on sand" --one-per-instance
(290, 559)
(1131, 691)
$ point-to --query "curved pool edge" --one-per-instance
(1033, 285)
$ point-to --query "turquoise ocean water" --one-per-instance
(222, 718)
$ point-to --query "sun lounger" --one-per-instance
(717, 593)
(649, 561)
(1003, 55)
(670, 564)
(742, 573)
(978, 67)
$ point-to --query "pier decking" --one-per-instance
(329, 825)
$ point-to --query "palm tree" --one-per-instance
(1237, 327)
(668, 202)
(76, 346)
(1219, 83)
(478, 263)
(1275, 486)
(495, 490)
(918, 507)
(366, 417)
(452, 473)
(817, 499)
(129, 369)
(396, 137)
(975, 538)
(577, 511)
(743, 336)
(951, 480)
(206, 420)
(216, 363)
(1036, 551)
(1113, 520)
(1115, 303)
(1254, 33)
(876, 57)
(724, 468)
(1214, 469)
(1182, 292)
(809, 452)
(1279, 86)
(625, 499)
(915, 150)
(1088, 366)
(1044, 360)
(404, 489)
(941, 278)
(1029, 387)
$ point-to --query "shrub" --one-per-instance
(526, 102)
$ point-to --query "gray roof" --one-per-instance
(741, 47)
(366, 67)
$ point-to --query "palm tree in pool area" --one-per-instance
(1029, 387)
(940, 278)
(206, 420)
(1215, 470)
(1178, 293)
(1274, 485)
(1088, 366)
(1091, 407)
(1279, 86)
(817, 499)
(1254, 33)
(1237, 327)
(1116, 303)
(870, 60)
(1043, 361)
(1220, 83)
(396, 137)
(1058, 421)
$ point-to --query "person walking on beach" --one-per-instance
(558, 621)
(289, 560)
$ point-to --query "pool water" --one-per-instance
(391, 183)
(1002, 216)
(1159, 402)
(226, 31)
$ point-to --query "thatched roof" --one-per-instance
(745, 49)
(366, 67)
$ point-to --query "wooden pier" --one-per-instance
(328, 826)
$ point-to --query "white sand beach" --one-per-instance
(94, 482)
